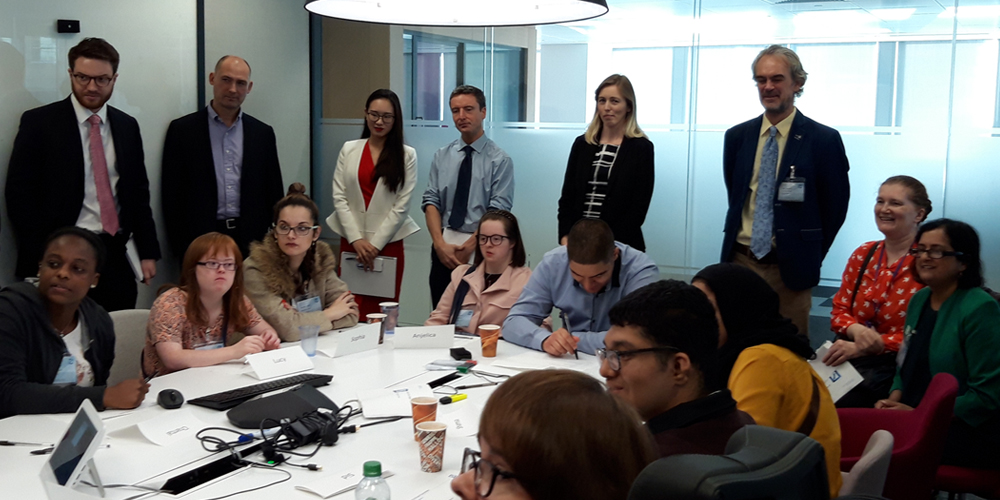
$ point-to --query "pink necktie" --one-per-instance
(106, 200)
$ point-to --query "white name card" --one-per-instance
(171, 426)
(279, 362)
(362, 338)
(335, 484)
(424, 337)
(839, 379)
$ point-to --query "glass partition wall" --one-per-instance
(912, 90)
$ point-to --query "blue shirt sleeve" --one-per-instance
(503, 184)
(523, 323)
(432, 195)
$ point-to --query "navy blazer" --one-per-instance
(190, 199)
(45, 181)
(803, 230)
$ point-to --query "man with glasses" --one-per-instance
(468, 177)
(659, 357)
(78, 162)
(214, 160)
(584, 279)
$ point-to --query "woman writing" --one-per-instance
(195, 323)
(372, 184)
(609, 175)
(56, 344)
(870, 308)
(762, 360)
(491, 286)
(291, 277)
(953, 326)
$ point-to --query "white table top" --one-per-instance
(132, 459)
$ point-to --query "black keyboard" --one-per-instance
(228, 399)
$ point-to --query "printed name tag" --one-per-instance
(308, 304)
(280, 362)
(67, 371)
(424, 337)
(793, 189)
(464, 318)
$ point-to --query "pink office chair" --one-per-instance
(958, 481)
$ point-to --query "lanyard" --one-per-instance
(878, 267)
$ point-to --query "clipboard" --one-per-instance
(379, 282)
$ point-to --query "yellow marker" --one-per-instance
(451, 399)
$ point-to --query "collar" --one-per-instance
(714, 405)
(783, 126)
(214, 117)
(477, 145)
(82, 113)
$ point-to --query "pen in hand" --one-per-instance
(565, 324)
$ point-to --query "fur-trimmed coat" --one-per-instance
(271, 287)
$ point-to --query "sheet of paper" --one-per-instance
(379, 282)
(381, 403)
(542, 361)
(463, 421)
(442, 491)
(840, 379)
(329, 485)
(424, 337)
(171, 426)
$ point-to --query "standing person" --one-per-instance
(216, 159)
(195, 324)
(609, 175)
(78, 162)
(869, 310)
(56, 344)
(291, 277)
(372, 184)
(468, 177)
(781, 226)
(953, 326)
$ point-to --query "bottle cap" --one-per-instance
(373, 469)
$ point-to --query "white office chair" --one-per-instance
(867, 477)
(130, 338)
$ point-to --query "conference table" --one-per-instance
(132, 459)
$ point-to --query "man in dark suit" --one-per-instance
(782, 225)
(77, 162)
(220, 166)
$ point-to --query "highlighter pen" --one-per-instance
(565, 324)
(447, 400)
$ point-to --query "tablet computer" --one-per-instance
(74, 451)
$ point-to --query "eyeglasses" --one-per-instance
(386, 118)
(933, 253)
(101, 81)
(614, 358)
(284, 229)
(214, 266)
(495, 239)
(486, 473)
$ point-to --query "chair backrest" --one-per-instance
(867, 477)
(760, 462)
(130, 338)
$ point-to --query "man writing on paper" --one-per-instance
(584, 279)
(79, 162)
(468, 177)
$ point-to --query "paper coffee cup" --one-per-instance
(489, 335)
(430, 438)
(424, 410)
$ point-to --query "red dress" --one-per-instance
(368, 304)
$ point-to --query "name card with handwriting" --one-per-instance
(424, 337)
(279, 362)
(362, 338)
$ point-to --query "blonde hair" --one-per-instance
(593, 134)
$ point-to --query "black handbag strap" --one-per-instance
(861, 273)
(460, 291)
(810, 422)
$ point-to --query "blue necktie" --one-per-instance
(460, 205)
(763, 213)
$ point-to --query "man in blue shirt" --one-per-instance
(468, 177)
(584, 279)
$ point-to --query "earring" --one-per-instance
(93, 286)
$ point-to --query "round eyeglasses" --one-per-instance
(486, 473)
(494, 239)
(386, 118)
(614, 358)
(101, 81)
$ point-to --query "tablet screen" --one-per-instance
(72, 447)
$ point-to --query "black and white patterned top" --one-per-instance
(604, 161)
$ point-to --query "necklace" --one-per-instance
(68, 327)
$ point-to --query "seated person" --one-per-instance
(56, 344)
(762, 359)
(491, 286)
(660, 351)
(291, 277)
(953, 326)
(194, 324)
(870, 308)
(583, 279)
(554, 434)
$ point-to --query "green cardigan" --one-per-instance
(965, 343)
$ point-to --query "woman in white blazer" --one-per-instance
(372, 184)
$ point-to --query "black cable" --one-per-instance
(220, 444)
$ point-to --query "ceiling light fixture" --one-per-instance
(452, 13)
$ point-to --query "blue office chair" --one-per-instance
(760, 463)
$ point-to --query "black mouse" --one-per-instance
(170, 399)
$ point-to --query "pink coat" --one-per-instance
(490, 306)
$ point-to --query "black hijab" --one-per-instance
(749, 310)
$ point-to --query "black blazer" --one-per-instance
(45, 181)
(190, 199)
(804, 230)
(630, 188)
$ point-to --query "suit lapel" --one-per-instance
(796, 136)
(748, 151)
(74, 156)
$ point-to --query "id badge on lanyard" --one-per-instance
(67, 370)
(464, 318)
(307, 304)
(793, 188)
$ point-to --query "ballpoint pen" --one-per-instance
(565, 324)
(21, 443)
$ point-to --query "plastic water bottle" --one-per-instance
(372, 487)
